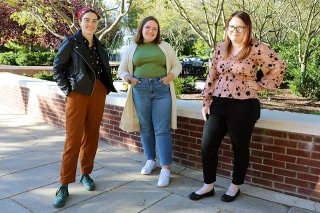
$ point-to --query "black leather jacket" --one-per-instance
(73, 69)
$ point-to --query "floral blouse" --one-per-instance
(228, 76)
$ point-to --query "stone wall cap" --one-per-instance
(270, 119)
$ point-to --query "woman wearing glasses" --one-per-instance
(230, 100)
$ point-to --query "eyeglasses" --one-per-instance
(239, 29)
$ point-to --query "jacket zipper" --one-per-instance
(95, 77)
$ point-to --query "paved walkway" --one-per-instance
(30, 154)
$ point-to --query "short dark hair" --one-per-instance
(85, 10)
(139, 37)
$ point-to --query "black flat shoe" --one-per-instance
(195, 196)
(228, 198)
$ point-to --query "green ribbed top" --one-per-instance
(149, 61)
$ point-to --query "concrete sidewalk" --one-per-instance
(30, 154)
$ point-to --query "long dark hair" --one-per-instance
(247, 41)
(139, 37)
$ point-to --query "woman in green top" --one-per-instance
(149, 66)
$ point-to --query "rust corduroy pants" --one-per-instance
(83, 119)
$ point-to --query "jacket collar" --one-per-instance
(78, 37)
(82, 49)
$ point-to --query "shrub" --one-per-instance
(35, 58)
(185, 85)
(45, 58)
(44, 75)
(8, 58)
(305, 83)
(26, 59)
(178, 86)
(201, 49)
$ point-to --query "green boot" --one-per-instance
(87, 182)
(61, 196)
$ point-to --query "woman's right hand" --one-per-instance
(131, 80)
(134, 81)
(205, 110)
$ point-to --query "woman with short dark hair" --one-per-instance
(81, 70)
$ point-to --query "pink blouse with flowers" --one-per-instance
(228, 77)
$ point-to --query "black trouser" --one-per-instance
(237, 117)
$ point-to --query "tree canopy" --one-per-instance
(49, 21)
(192, 27)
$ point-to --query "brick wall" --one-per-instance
(282, 161)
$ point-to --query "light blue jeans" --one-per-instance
(152, 100)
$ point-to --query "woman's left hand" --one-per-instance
(167, 79)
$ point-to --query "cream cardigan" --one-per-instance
(129, 120)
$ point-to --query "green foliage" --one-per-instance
(8, 58)
(185, 85)
(24, 48)
(289, 53)
(27, 59)
(46, 22)
(310, 87)
(201, 48)
(45, 58)
(178, 86)
(133, 14)
(307, 83)
(125, 86)
(32, 23)
(173, 29)
(16, 47)
(44, 75)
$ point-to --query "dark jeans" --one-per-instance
(237, 117)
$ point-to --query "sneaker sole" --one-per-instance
(89, 188)
(144, 173)
(163, 185)
(60, 205)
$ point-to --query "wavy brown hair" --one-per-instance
(247, 40)
(139, 37)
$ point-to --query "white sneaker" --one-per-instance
(164, 178)
(149, 167)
